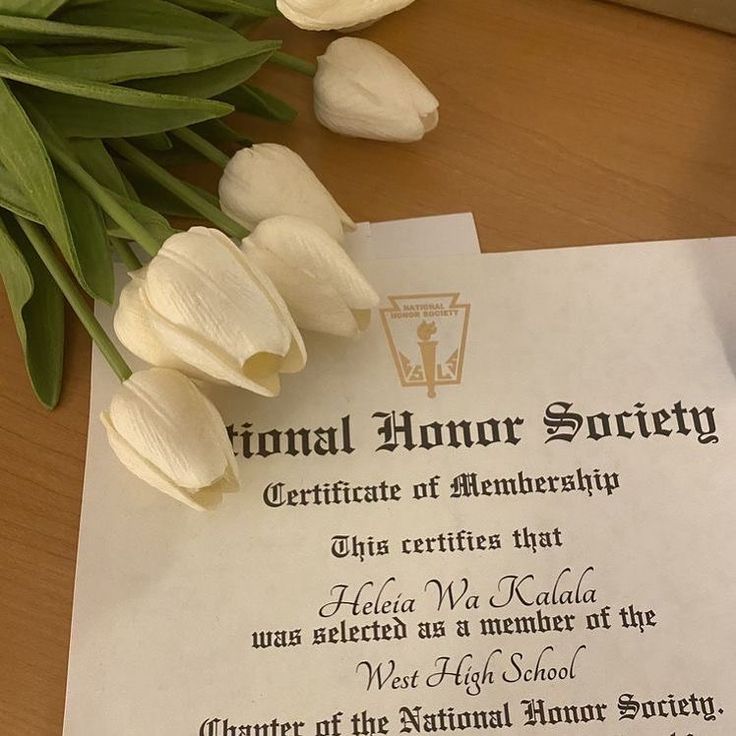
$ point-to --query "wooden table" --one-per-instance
(563, 122)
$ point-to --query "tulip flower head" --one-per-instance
(328, 15)
(201, 307)
(268, 179)
(320, 284)
(362, 90)
(165, 431)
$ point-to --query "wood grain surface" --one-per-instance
(563, 122)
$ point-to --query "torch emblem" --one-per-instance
(427, 334)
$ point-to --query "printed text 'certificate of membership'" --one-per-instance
(509, 507)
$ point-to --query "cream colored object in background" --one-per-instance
(718, 14)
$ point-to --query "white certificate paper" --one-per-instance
(509, 507)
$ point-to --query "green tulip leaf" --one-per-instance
(157, 142)
(179, 155)
(94, 157)
(37, 307)
(158, 197)
(30, 8)
(210, 82)
(79, 224)
(161, 199)
(11, 68)
(24, 155)
(85, 47)
(90, 240)
(81, 108)
(154, 17)
(256, 8)
(255, 101)
(30, 51)
(77, 117)
(156, 224)
(39, 30)
(124, 66)
(12, 198)
(217, 131)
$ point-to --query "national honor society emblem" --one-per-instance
(427, 334)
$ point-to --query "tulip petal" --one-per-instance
(363, 318)
(169, 434)
(431, 120)
(143, 469)
(363, 90)
(318, 280)
(200, 285)
(296, 358)
(327, 15)
(132, 325)
(343, 106)
(316, 305)
(201, 308)
(301, 242)
(268, 180)
(230, 481)
(163, 416)
(207, 362)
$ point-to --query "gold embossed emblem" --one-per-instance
(427, 334)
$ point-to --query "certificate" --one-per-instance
(508, 507)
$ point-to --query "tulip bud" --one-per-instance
(323, 289)
(201, 307)
(329, 15)
(165, 431)
(364, 91)
(268, 180)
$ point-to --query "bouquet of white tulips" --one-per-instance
(97, 99)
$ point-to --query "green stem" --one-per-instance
(123, 249)
(180, 189)
(75, 298)
(105, 199)
(202, 145)
(294, 63)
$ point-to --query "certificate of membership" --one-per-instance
(509, 507)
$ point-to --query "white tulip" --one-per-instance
(201, 307)
(268, 180)
(323, 289)
(165, 431)
(364, 91)
(328, 15)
